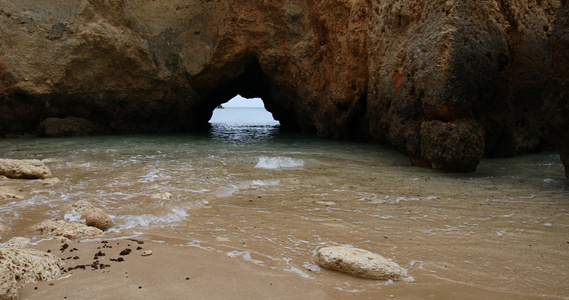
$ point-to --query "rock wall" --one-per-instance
(556, 107)
(444, 82)
(451, 81)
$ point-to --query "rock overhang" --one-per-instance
(444, 82)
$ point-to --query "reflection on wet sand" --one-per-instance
(274, 202)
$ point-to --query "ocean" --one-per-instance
(273, 199)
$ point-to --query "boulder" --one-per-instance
(65, 229)
(8, 284)
(26, 266)
(97, 219)
(452, 145)
(7, 193)
(358, 262)
(17, 243)
(80, 207)
(27, 169)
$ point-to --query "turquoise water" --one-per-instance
(271, 198)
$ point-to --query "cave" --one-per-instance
(243, 111)
(250, 82)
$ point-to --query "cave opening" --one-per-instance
(242, 92)
(243, 111)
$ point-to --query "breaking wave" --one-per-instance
(279, 163)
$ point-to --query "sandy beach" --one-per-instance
(246, 222)
(189, 273)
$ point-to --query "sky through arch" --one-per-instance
(239, 101)
(243, 111)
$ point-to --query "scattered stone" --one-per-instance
(27, 169)
(30, 265)
(65, 229)
(162, 196)
(8, 284)
(97, 219)
(9, 193)
(17, 243)
(51, 181)
(100, 253)
(358, 262)
(146, 253)
(117, 259)
(81, 207)
(125, 251)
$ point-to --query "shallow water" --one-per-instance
(273, 199)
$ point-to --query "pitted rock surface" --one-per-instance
(358, 262)
(24, 168)
(473, 74)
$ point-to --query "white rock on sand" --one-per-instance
(25, 266)
(97, 219)
(26, 168)
(65, 229)
(17, 243)
(10, 193)
(358, 262)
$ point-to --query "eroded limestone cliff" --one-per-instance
(444, 82)
(556, 107)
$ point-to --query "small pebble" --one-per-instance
(146, 253)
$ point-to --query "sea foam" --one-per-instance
(131, 221)
(279, 163)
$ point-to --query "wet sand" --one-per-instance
(244, 221)
(189, 273)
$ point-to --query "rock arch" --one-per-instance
(444, 82)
